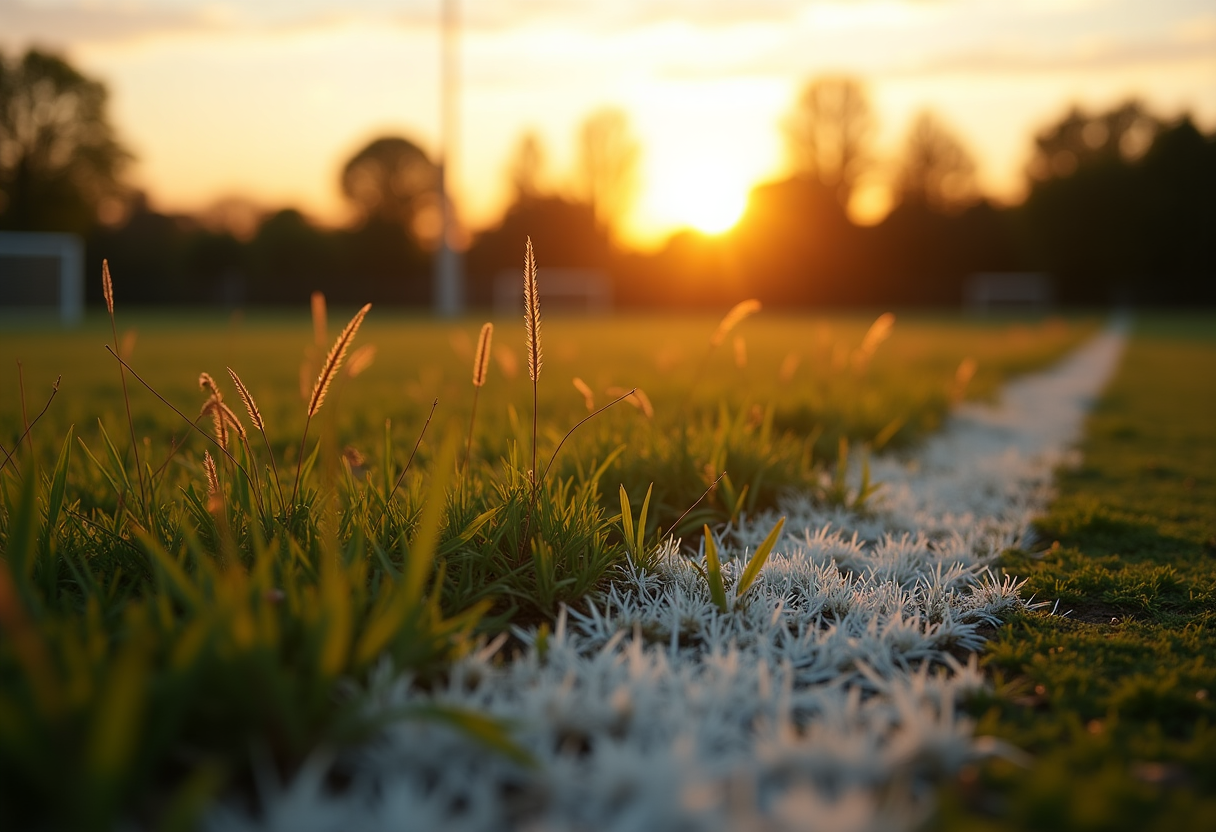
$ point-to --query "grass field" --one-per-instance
(1116, 699)
(160, 620)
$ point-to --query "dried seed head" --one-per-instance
(213, 478)
(532, 313)
(643, 402)
(732, 319)
(481, 359)
(320, 325)
(588, 396)
(878, 332)
(206, 382)
(251, 406)
(333, 362)
(107, 286)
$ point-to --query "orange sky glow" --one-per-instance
(267, 100)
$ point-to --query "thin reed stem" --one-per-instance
(408, 462)
(255, 416)
(704, 494)
(9, 454)
(189, 422)
(333, 363)
(468, 448)
(107, 290)
(585, 419)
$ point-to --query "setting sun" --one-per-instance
(702, 196)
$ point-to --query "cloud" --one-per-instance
(60, 26)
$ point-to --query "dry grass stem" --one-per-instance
(532, 335)
(251, 407)
(588, 395)
(733, 318)
(532, 314)
(636, 397)
(878, 332)
(740, 352)
(255, 416)
(9, 454)
(213, 477)
(191, 422)
(333, 361)
(320, 323)
(107, 291)
(481, 360)
(107, 287)
(481, 363)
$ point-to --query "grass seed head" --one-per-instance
(213, 478)
(333, 362)
(733, 318)
(532, 313)
(588, 395)
(481, 360)
(878, 332)
(320, 324)
(107, 286)
(251, 407)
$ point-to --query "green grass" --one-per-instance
(156, 633)
(1117, 701)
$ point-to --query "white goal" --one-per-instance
(41, 275)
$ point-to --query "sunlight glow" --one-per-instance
(705, 197)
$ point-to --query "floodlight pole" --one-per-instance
(448, 277)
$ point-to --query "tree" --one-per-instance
(392, 182)
(59, 158)
(828, 133)
(1082, 140)
(607, 164)
(936, 170)
(527, 166)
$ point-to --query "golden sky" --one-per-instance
(268, 98)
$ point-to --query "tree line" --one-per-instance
(1120, 208)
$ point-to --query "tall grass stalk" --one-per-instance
(333, 363)
(481, 363)
(532, 335)
(255, 416)
(107, 291)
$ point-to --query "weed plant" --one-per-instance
(177, 616)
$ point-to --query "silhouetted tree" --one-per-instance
(1081, 140)
(608, 157)
(828, 133)
(391, 181)
(59, 158)
(527, 166)
(1115, 221)
(936, 170)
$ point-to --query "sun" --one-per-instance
(709, 198)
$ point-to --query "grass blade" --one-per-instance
(752, 570)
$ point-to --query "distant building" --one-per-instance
(40, 275)
(564, 290)
(1013, 291)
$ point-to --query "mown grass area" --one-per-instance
(169, 621)
(1117, 699)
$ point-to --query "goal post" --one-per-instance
(41, 274)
